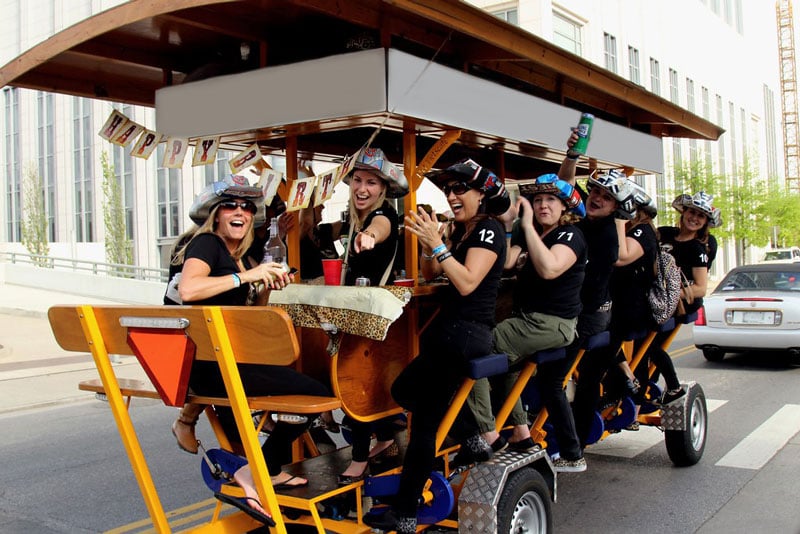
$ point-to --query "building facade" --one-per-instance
(680, 50)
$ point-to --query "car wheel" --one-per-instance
(524, 504)
(685, 447)
(713, 355)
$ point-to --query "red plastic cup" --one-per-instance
(405, 282)
(332, 269)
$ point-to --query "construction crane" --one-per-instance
(791, 144)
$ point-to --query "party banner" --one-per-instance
(268, 182)
(113, 125)
(205, 151)
(245, 158)
(175, 152)
(144, 146)
(325, 184)
(300, 194)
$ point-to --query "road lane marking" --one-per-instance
(755, 450)
(631, 444)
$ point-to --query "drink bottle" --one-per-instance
(584, 133)
(275, 250)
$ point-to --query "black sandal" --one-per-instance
(241, 504)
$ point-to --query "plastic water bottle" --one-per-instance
(275, 250)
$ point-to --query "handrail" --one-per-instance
(94, 267)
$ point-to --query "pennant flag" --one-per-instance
(113, 125)
(127, 133)
(147, 142)
(175, 152)
(205, 151)
(300, 195)
(325, 185)
(268, 182)
(245, 158)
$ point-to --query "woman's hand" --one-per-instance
(525, 211)
(426, 228)
(274, 275)
(364, 240)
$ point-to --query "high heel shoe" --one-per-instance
(183, 427)
(346, 480)
(389, 454)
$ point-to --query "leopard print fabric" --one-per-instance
(348, 321)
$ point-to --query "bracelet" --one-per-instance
(438, 250)
(428, 257)
(444, 256)
(368, 233)
(573, 157)
(508, 235)
(236, 280)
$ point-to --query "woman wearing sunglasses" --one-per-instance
(472, 260)
(214, 273)
(372, 248)
(549, 253)
(694, 250)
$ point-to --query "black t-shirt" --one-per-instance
(562, 295)
(479, 305)
(210, 249)
(631, 283)
(373, 263)
(603, 252)
(688, 255)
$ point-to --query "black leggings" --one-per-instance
(425, 388)
(260, 380)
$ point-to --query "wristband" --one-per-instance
(444, 256)
(440, 249)
(508, 235)
(573, 157)
(428, 257)
(236, 280)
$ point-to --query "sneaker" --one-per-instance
(562, 465)
(672, 395)
(473, 450)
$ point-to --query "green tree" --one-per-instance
(119, 249)
(783, 214)
(34, 222)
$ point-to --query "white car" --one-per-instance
(755, 307)
(782, 255)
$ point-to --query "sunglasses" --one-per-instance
(459, 188)
(246, 205)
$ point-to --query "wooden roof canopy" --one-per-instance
(126, 53)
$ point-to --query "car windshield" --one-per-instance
(778, 255)
(748, 280)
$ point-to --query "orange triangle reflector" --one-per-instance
(166, 354)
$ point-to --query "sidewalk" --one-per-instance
(34, 370)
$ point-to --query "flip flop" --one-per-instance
(286, 484)
(241, 504)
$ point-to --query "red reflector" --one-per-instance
(753, 299)
(701, 316)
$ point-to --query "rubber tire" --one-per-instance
(525, 504)
(685, 447)
(713, 355)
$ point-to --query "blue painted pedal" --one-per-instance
(223, 465)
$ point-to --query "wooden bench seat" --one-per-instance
(166, 340)
(300, 404)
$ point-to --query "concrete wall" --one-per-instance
(114, 289)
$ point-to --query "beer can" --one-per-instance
(584, 133)
(362, 281)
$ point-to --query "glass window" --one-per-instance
(655, 76)
(46, 140)
(83, 182)
(673, 86)
(508, 15)
(610, 51)
(168, 187)
(567, 34)
(13, 167)
(633, 65)
(690, 94)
